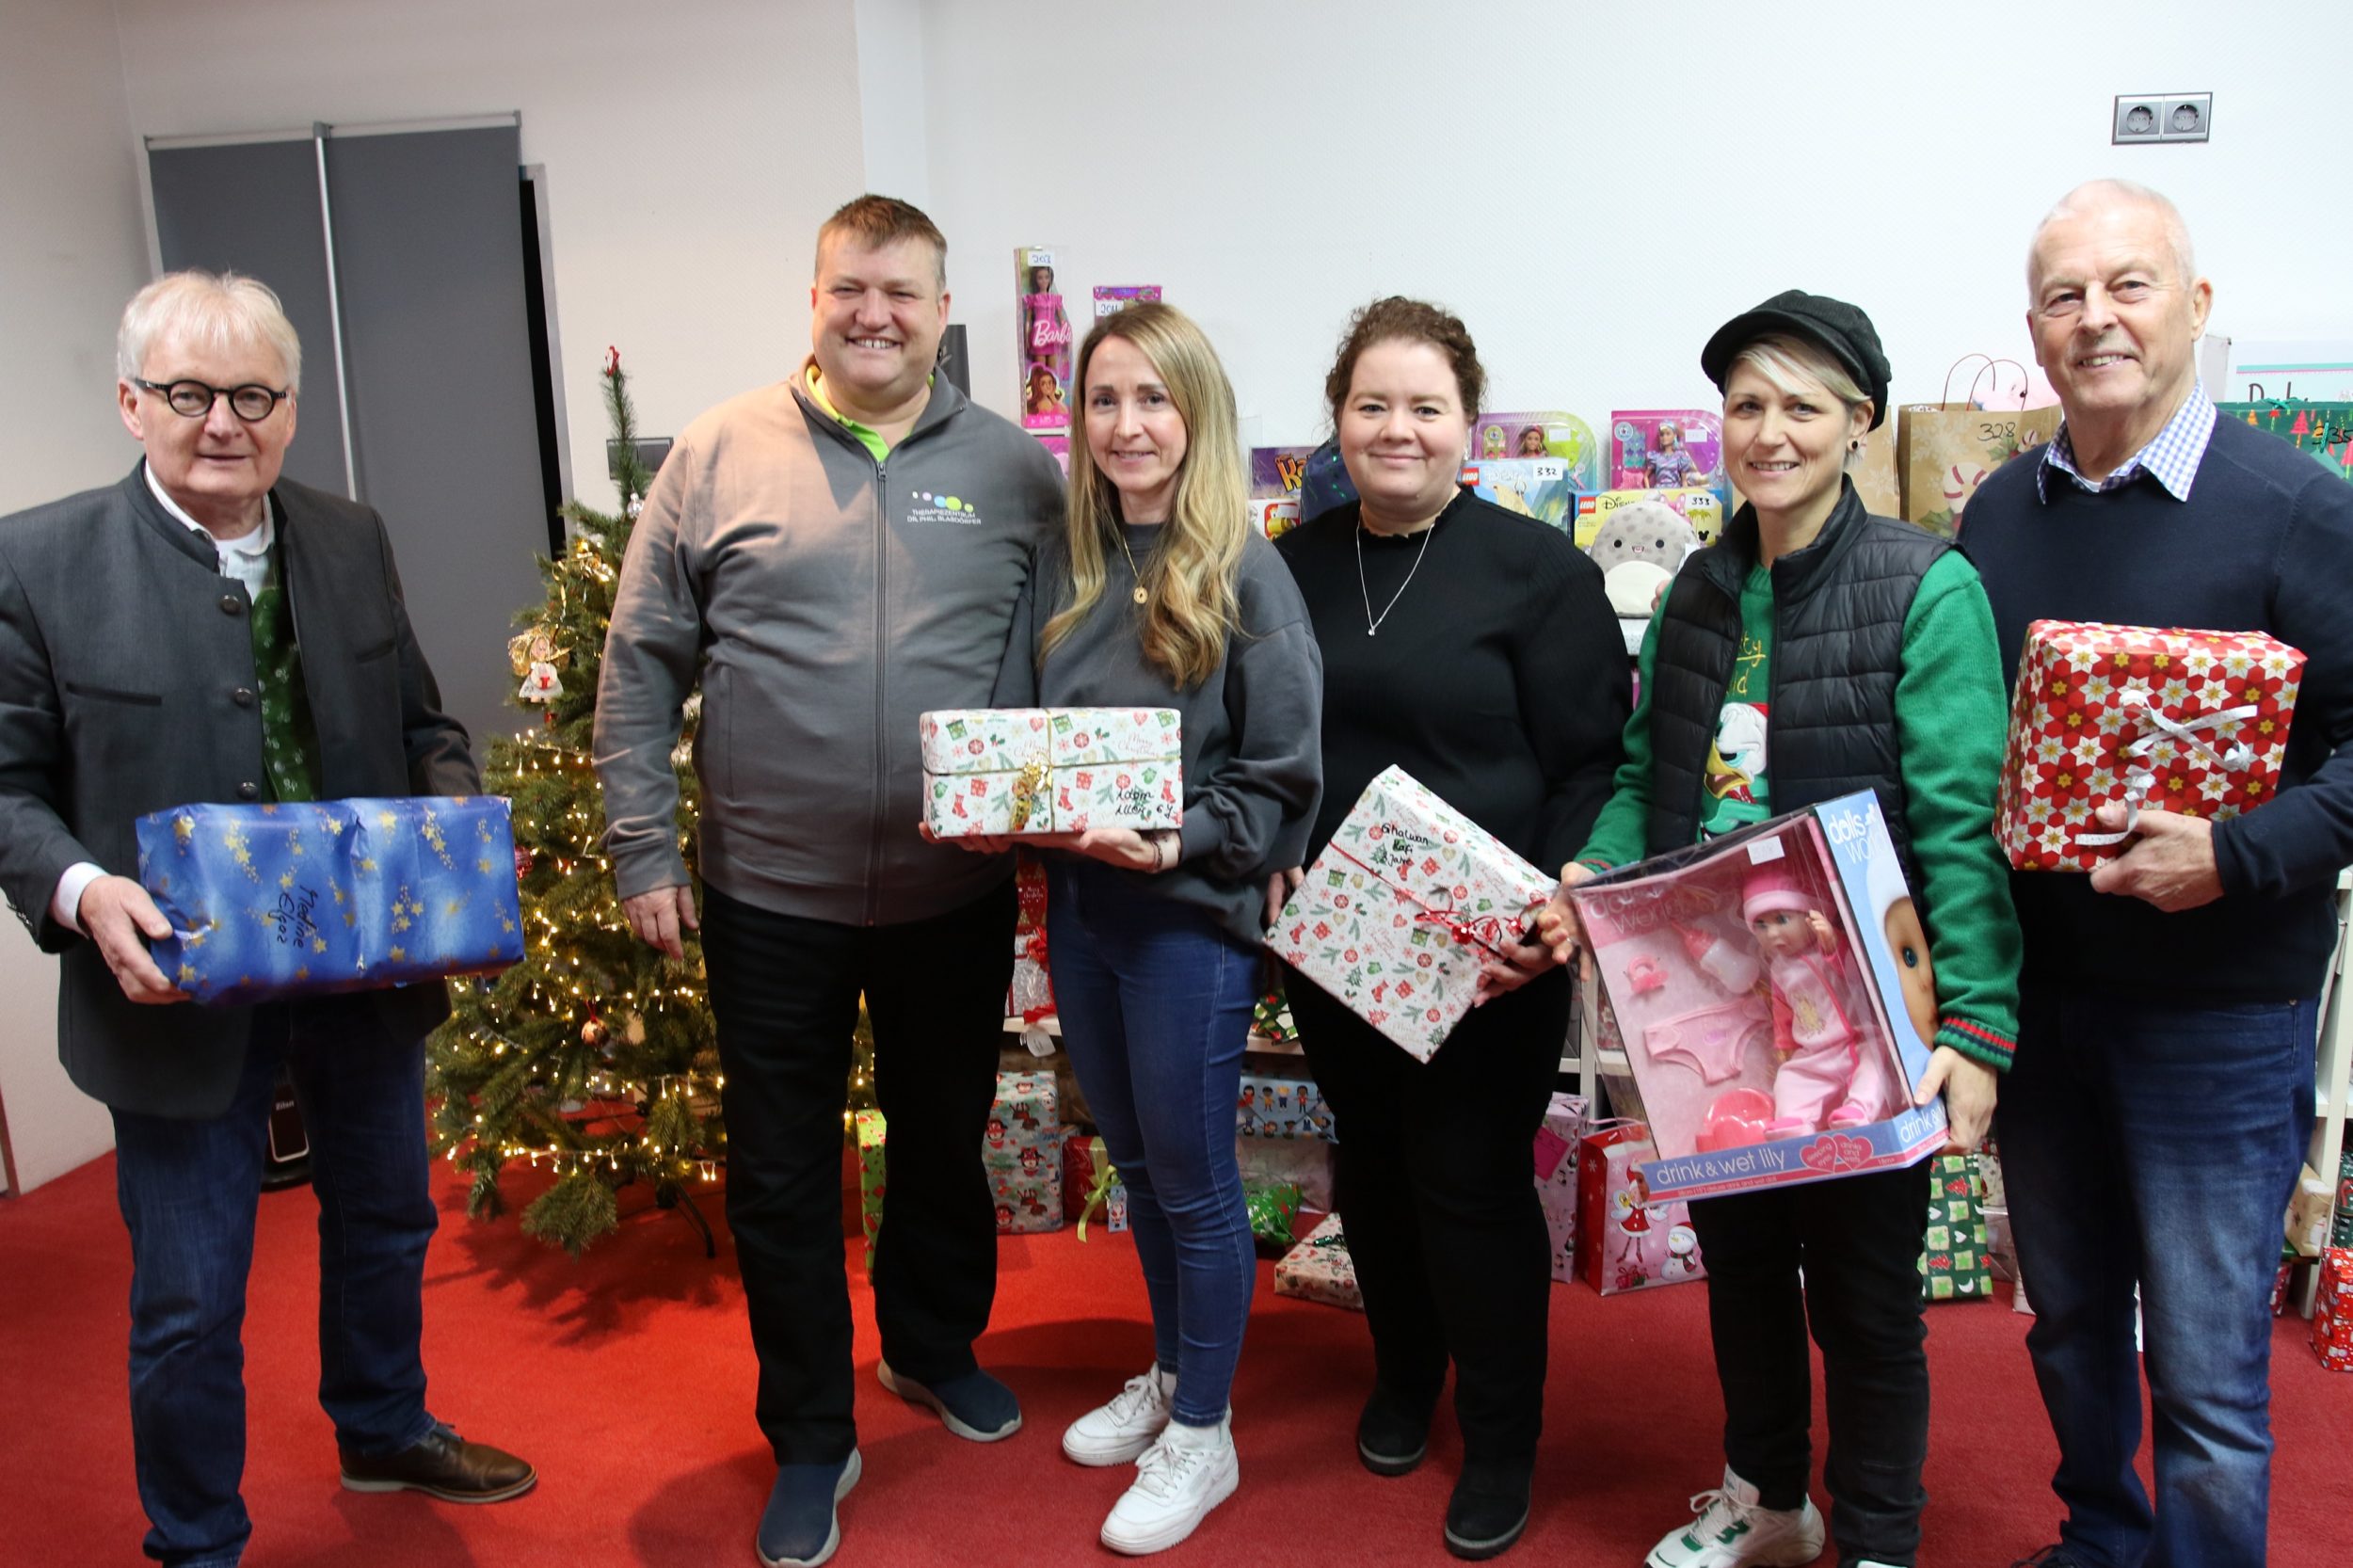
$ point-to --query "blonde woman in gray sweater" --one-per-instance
(1160, 594)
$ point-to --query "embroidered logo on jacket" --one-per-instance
(928, 507)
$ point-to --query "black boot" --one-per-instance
(1393, 1433)
(1489, 1509)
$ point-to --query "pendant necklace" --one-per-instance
(1372, 622)
(1139, 594)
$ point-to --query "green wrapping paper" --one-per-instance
(1953, 1261)
(1274, 1212)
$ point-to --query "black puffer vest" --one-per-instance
(1839, 607)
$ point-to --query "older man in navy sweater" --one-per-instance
(2153, 1125)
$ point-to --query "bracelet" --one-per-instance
(1159, 854)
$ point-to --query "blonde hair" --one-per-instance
(1796, 366)
(215, 311)
(1196, 555)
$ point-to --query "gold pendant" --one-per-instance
(1141, 596)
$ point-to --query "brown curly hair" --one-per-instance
(1398, 318)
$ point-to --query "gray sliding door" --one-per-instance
(436, 355)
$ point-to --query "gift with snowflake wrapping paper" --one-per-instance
(1027, 771)
(1405, 902)
(2192, 722)
(312, 898)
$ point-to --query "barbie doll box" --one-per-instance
(2195, 722)
(1405, 902)
(1541, 433)
(1027, 771)
(1773, 991)
(1665, 449)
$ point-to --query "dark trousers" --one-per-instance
(2147, 1140)
(188, 1190)
(1858, 1240)
(1437, 1197)
(784, 993)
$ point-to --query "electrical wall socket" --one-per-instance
(2156, 117)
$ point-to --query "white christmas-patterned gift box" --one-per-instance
(1404, 904)
(1027, 771)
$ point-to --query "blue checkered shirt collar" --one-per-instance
(2172, 457)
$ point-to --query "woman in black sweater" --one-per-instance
(1476, 650)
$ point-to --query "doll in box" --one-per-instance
(1833, 1065)
(1669, 465)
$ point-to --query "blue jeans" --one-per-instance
(189, 1191)
(1155, 1004)
(2148, 1142)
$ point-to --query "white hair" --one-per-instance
(2091, 195)
(215, 311)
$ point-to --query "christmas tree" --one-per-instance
(595, 1058)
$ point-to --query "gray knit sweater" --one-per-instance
(1253, 766)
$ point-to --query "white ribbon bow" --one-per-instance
(2139, 780)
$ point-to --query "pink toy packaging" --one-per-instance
(1773, 991)
(1047, 343)
(1110, 299)
(1666, 449)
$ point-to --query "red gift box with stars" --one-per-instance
(2191, 721)
(2333, 1310)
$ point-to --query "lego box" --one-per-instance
(1765, 1010)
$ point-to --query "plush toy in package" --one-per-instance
(2194, 722)
(1048, 344)
(1665, 449)
(313, 898)
(1703, 508)
(1535, 488)
(1405, 902)
(1772, 989)
(1016, 772)
(1639, 543)
(1541, 433)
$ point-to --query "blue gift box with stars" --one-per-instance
(320, 897)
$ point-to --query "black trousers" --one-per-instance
(1436, 1187)
(1858, 1240)
(784, 992)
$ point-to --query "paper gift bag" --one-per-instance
(1944, 450)
(1954, 1265)
(1555, 1178)
(1626, 1241)
(318, 897)
(2195, 722)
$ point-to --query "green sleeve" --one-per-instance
(1622, 830)
(1951, 715)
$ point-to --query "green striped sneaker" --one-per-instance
(1732, 1530)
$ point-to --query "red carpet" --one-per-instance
(628, 1379)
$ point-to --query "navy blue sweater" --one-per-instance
(2265, 543)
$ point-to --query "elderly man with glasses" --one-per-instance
(206, 631)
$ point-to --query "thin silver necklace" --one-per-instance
(1372, 622)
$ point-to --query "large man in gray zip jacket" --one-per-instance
(832, 556)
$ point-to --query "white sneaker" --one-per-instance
(1732, 1530)
(1179, 1479)
(1118, 1433)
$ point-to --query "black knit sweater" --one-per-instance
(1497, 679)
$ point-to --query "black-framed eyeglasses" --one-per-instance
(251, 403)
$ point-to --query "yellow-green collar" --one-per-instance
(867, 436)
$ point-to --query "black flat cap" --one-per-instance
(1840, 329)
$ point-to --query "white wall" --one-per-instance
(691, 150)
(72, 250)
(1594, 187)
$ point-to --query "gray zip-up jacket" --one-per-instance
(828, 599)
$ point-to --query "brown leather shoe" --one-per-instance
(442, 1464)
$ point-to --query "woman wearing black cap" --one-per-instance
(1864, 650)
